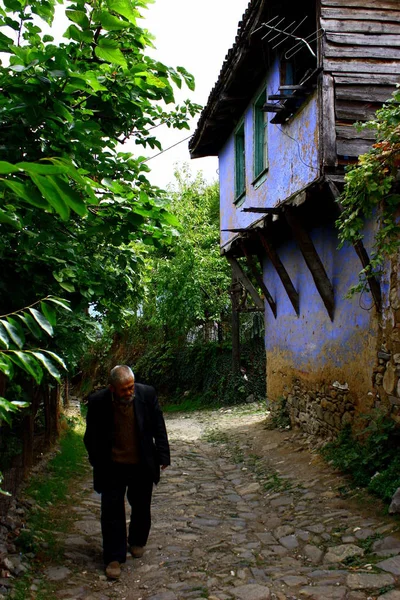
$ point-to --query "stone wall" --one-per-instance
(321, 410)
(386, 376)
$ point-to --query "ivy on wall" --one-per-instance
(372, 187)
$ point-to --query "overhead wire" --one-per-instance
(166, 149)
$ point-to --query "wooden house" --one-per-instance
(281, 121)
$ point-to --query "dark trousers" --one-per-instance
(138, 483)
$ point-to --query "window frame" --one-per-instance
(240, 161)
(260, 136)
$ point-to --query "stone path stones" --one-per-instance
(230, 523)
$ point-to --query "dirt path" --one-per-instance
(243, 513)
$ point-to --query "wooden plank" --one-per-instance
(362, 39)
(280, 269)
(360, 26)
(363, 14)
(328, 122)
(349, 132)
(312, 260)
(355, 111)
(353, 147)
(245, 281)
(360, 66)
(261, 209)
(366, 78)
(378, 4)
(258, 277)
(364, 93)
(351, 52)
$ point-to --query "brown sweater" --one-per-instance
(125, 448)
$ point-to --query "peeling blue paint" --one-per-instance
(292, 161)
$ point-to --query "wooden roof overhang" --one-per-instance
(241, 74)
(292, 220)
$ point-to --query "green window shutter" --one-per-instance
(240, 166)
(260, 136)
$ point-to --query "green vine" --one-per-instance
(371, 188)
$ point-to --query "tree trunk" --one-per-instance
(235, 298)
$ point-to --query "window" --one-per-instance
(260, 136)
(240, 166)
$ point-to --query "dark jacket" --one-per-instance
(150, 429)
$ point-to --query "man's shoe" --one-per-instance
(137, 551)
(113, 570)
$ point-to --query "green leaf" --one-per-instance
(6, 405)
(25, 192)
(111, 23)
(49, 312)
(10, 219)
(28, 363)
(42, 321)
(69, 196)
(59, 302)
(56, 358)
(14, 333)
(5, 43)
(169, 218)
(4, 341)
(41, 169)
(46, 362)
(124, 8)
(20, 403)
(6, 168)
(46, 187)
(188, 77)
(109, 51)
(79, 17)
(31, 324)
(67, 286)
(61, 110)
(6, 365)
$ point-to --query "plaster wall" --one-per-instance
(323, 369)
(292, 161)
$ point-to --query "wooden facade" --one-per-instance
(360, 56)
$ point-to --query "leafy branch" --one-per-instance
(371, 189)
(15, 350)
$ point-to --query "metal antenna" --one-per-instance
(306, 41)
(285, 33)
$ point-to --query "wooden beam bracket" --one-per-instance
(258, 277)
(245, 281)
(312, 260)
(280, 269)
(362, 254)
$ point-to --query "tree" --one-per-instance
(74, 207)
(187, 283)
(66, 110)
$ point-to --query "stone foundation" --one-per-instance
(322, 410)
(386, 377)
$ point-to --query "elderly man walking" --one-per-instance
(127, 444)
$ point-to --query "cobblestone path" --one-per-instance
(243, 513)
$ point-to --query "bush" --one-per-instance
(371, 456)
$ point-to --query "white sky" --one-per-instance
(196, 35)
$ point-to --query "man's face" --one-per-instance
(124, 389)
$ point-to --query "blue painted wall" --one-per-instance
(292, 157)
(311, 347)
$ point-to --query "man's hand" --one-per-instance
(163, 467)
